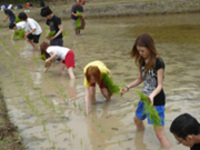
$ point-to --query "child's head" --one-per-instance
(93, 74)
(144, 41)
(12, 26)
(43, 48)
(184, 127)
(45, 11)
(3, 8)
(22, 16)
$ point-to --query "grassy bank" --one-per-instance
(9, 136)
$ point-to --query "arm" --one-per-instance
(29, 32)
(58, 33)
(159, 87)
(6, 18)
(50, 60)
(74, 14)
(133, 84)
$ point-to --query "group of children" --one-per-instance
(151, 71)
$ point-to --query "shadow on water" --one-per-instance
(180, 34)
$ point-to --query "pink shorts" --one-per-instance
(101, 86)
(69, 59)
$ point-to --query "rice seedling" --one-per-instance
(17, 19)
(149, 109)
(51, 34)
(42, 57)
(75, 105)
(19, 34)
(35, 60)
(44, 126)
(119, 142)
(53, 106)
(108, 82)
(79, 107)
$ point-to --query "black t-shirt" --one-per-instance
(75, 8)
(53, 23)
(150, 82)
(195, 147)
(9, 13)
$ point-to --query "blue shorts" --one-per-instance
(140, 113)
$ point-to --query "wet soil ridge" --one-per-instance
(9, 136)
(140, 8)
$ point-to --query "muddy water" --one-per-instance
(49, 108)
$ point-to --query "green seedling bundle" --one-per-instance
(19, 34)
(108, 82)
(150, 109)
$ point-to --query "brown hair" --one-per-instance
(144, 40)
(95, 72)
(43, 48)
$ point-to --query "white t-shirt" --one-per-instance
(61, 51)
(21, 25)
(32, 24)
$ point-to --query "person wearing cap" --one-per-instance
(55, 25)
(32, 29)
(186, 130)
(76, 9)
(9, 14)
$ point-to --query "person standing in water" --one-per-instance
(151, 71)
(55, 25)
(76, 9)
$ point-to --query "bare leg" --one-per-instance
(62, 68)
(33, 44)
(77, 31)
(71, 73)
(106, 93)
(139, 123)
(160, 134)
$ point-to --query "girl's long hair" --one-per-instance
(144, 40)
(95, 72)
(43, 49)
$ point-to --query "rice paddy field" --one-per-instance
(49, 109)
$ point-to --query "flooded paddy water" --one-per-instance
(49, 109)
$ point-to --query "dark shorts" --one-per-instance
(35, 38)
(101, 86)
(140, 113)
(58, 42)
(12, 20)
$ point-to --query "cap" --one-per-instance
(3, 7)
